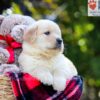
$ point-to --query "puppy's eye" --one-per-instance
(47, 33)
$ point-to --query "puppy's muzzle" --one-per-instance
(58, 43)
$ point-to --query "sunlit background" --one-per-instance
(81, 34)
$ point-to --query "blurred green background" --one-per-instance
(81, 34)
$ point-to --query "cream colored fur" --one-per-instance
(42, 60)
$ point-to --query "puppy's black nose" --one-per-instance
(59, 41)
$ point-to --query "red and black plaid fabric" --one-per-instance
(26, 87)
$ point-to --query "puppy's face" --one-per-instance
(45, 35)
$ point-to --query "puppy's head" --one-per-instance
(46, 36)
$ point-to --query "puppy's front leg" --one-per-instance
(59, 81)
(43, 75)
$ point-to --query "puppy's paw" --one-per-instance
(59, 84)
(45, 77)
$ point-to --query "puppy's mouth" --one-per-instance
(56, 47)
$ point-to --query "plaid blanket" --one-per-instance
(26, 87)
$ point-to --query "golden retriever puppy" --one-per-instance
(42, 55)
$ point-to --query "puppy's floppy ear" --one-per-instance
(31, 34)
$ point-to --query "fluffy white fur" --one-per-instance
(42, 60)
